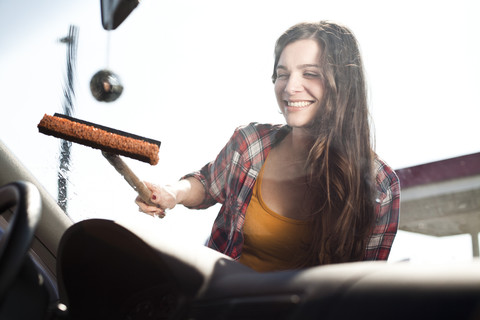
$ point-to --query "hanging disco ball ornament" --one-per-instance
(106, 86)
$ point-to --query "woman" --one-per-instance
(312, 191)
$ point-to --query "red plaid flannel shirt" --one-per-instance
(230, 179)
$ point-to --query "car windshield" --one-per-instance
(192, 71)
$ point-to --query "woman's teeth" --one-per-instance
(298, 103)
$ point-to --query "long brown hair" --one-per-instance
(340, 162)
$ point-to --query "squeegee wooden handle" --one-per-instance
(131, 178)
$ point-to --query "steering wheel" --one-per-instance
(23, 200)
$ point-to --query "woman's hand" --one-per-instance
(163, 198)
(189, 192)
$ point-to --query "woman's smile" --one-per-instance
(298, 104)
(292, 106)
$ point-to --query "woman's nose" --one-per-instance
(294, 85)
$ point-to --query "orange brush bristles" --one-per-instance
(100, 137)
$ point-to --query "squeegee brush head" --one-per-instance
(100, 137)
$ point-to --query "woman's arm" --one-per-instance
(387, 211)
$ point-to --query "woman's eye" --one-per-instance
(311, 75)
(282, 76)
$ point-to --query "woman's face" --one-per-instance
(298, 87)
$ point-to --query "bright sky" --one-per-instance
(194, 70)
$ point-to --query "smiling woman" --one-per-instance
(307, 193)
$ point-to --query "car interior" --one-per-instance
(101, 269)
(54, 268)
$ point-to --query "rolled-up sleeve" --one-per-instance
(214, 175)
(387, 212)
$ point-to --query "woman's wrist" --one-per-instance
(189, 192)
(180, 190)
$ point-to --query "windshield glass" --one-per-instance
(192, 71)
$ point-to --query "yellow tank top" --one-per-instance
(271, 241)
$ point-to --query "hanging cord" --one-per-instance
(68, 109)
